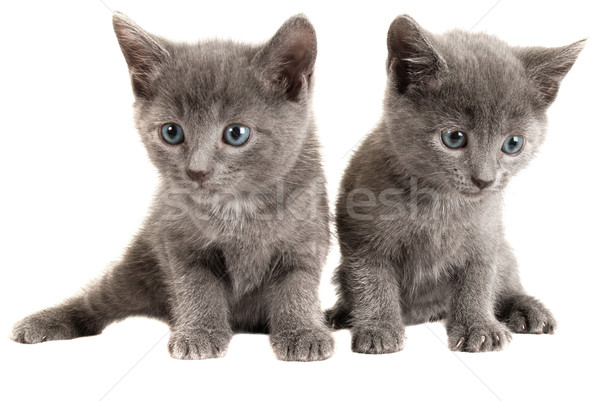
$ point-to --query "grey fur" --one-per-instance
(239, 247)
(419, 240)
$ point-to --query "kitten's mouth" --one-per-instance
(474, 193)
(198, 188)
(470, 192)
(205, 189)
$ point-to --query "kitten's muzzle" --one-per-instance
(481, 184)
(197, 175)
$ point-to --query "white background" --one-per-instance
(76, 184)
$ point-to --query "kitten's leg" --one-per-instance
(339, 316)
(522, 313)
(471, 323)
(200, 327)
(132, 287)
(376, 316)
(296, 326)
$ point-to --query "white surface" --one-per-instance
(76, 184)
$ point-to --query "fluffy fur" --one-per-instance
(237, 235)
(419, 223)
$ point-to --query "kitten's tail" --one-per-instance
(338, 317)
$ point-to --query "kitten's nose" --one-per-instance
(197, 175)
(481, 184)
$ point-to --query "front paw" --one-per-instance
(43, 326)
(199, 343)
(478, 337)
(302, 345)
(528, 315)
(381, 339)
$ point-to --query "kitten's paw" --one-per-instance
(303, 345)
(199, 343)
(43, 326)
(378, 339)
(478, 337)
(528, 315)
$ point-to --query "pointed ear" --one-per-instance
(547, 67)
(143, 53)
(287, 61)
(412, 58)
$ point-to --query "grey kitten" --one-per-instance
(419, 213)
(239, 230)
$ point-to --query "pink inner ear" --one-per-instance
(299, 49)
(548, 83)
(138, 54)
(549, 89)
(286, 62)
(547, 67)
(140, 60)
(297, 65)
(142, 53)
(432, 82)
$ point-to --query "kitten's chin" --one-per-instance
(205, 192)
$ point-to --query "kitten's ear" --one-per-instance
(548, 66)
(143, 53)
(412, 58)
(287, 61)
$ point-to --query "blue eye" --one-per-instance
(512, 145)
(172, 133)
(236, 135)
(454, 139)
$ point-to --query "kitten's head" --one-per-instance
(467, 111)
(217, 116)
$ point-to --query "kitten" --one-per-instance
(239, 230)
(419, 213)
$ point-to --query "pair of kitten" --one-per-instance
(239, 229)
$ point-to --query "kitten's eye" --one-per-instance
(454, 139)
(512, 145)
(236, 135)
(172, 133)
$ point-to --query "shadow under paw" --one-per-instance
(303, 345)
(377, 339)
(337, 318)
(199, 343)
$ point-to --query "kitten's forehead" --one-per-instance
(209, 74)
(486, 81)
(215, 59)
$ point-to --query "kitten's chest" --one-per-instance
(431, 250)
(428, 252)
(248, 265)
(243, 231)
